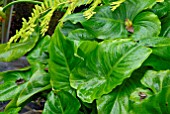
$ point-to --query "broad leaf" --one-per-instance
(157, 62)
(12, 111)
(165, 26)
(98, 74)
(12, 83)
(130, 8)
(69, 26)
(24, 83)
(161, 9)
(17, 50)
(39, 81)
(146, 24)
(62, 61)
(163, 52)
(61, 103)
(103, 25)
(40, 51)
(80, 34)
(118, 102)
(158, 101)
(155, 42)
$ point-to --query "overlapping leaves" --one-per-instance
(98, 74)
(98, 63)
(158, 102)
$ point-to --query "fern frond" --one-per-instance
(28, 26)
(90, 12)
(42, 15)
(116, 4)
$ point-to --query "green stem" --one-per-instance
(19, 1)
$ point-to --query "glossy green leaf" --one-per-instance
(106, 67)
(165, 26)
(158, 82)
(24, 83)
(62, 61)
(146, 24)
(103, 25)
(8, 83)
(69, 26)
(163, 52)
(157, 63)
(80, 34)
(39, 81)
(17, 50)
(13, 111)
(131, 8)
(155, 42)
(75, 18)
(161, 9)
(117, 102)
(40, 51)
(61, 103)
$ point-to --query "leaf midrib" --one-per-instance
(120, 59)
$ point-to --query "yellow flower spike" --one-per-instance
(116, 4)
(90, 12)
(159, 0)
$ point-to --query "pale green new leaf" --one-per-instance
(105, 67)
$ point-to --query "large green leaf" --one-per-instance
(154, 42)
(146, 24)
(80, 34)
(40, 51)
(163, 52)
(61, 103)
(62, 60)
(130, 8)
(157, 62)
(105, 67)
(117, 102)
(160, 47)
(108, 24)
(157, 102)
(24, 83)
(8, 83)
(103, 25)
(17, 50)
(39, 81)
(165, 26)
(161, 8)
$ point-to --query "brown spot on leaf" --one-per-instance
(142, 95)
(20, 81)
(129, 26)
(166, 103)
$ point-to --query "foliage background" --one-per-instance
(111, 58)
